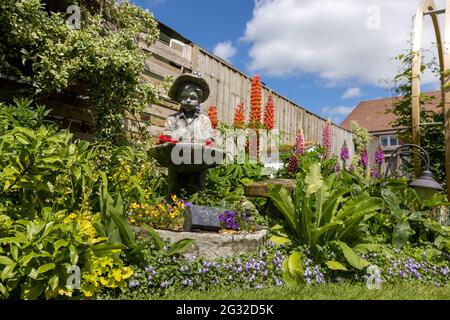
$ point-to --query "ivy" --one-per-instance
(101, 61)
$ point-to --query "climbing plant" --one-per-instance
(431, 134)
(101, 60)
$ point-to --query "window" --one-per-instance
(394, 141)
(389, 141)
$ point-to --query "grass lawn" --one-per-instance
(403, 291)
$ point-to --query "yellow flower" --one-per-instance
(127, 272)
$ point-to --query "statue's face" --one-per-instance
(190, 97)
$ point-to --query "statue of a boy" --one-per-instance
(188, 125)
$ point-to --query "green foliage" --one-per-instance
(361, 137)
(36, 254)
(431, 135)
(101, 61)
(224, 185)
(64, 203)
(323, 210)
(409, 216)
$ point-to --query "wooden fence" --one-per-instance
(229, 87)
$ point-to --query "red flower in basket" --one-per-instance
(165, 139)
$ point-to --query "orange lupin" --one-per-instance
(212, 114)
(239, 116)
(255, 103)
(269, 114)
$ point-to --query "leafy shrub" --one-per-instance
(37, 254)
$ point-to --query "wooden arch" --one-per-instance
(428, 7)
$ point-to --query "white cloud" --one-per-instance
(336, 114)
(225, 50)
(337, 40)
(352, 93)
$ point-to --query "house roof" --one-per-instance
(372, 114)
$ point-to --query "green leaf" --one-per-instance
(278, 241)
(402, 232)
(336, 265)
(54, 280)
(368, 247)
(5, 260)
(8, 271)
(295, 265)
(106, 248)
(159, 243)
(73, 255)
(180, 246)
(59, 244)
(293, 269)
(4, 291)
(313, 179)
(283, 201)
(46, 267)
(390, 199)
(352, 258)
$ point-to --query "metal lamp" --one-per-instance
(425, 185)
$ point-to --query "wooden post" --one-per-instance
(446, 99)
(415, 82)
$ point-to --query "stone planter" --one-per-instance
(211, 244)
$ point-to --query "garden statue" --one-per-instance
(187, 131)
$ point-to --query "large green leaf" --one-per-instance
(283, 201)
(352, 258)
(317, 232)
(321, 196)
(313, 179)
(278, 241)
(400, 235)
(336, 265)
(331, 204)
(293, 268)
(360, 204)
(390, 199)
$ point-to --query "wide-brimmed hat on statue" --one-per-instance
(194, 78)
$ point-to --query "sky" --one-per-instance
(325, 55)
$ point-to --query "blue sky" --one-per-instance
(324, 55)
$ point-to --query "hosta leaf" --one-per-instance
(336, 265)
(352, 258)
(278, 241)
(295, 265)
